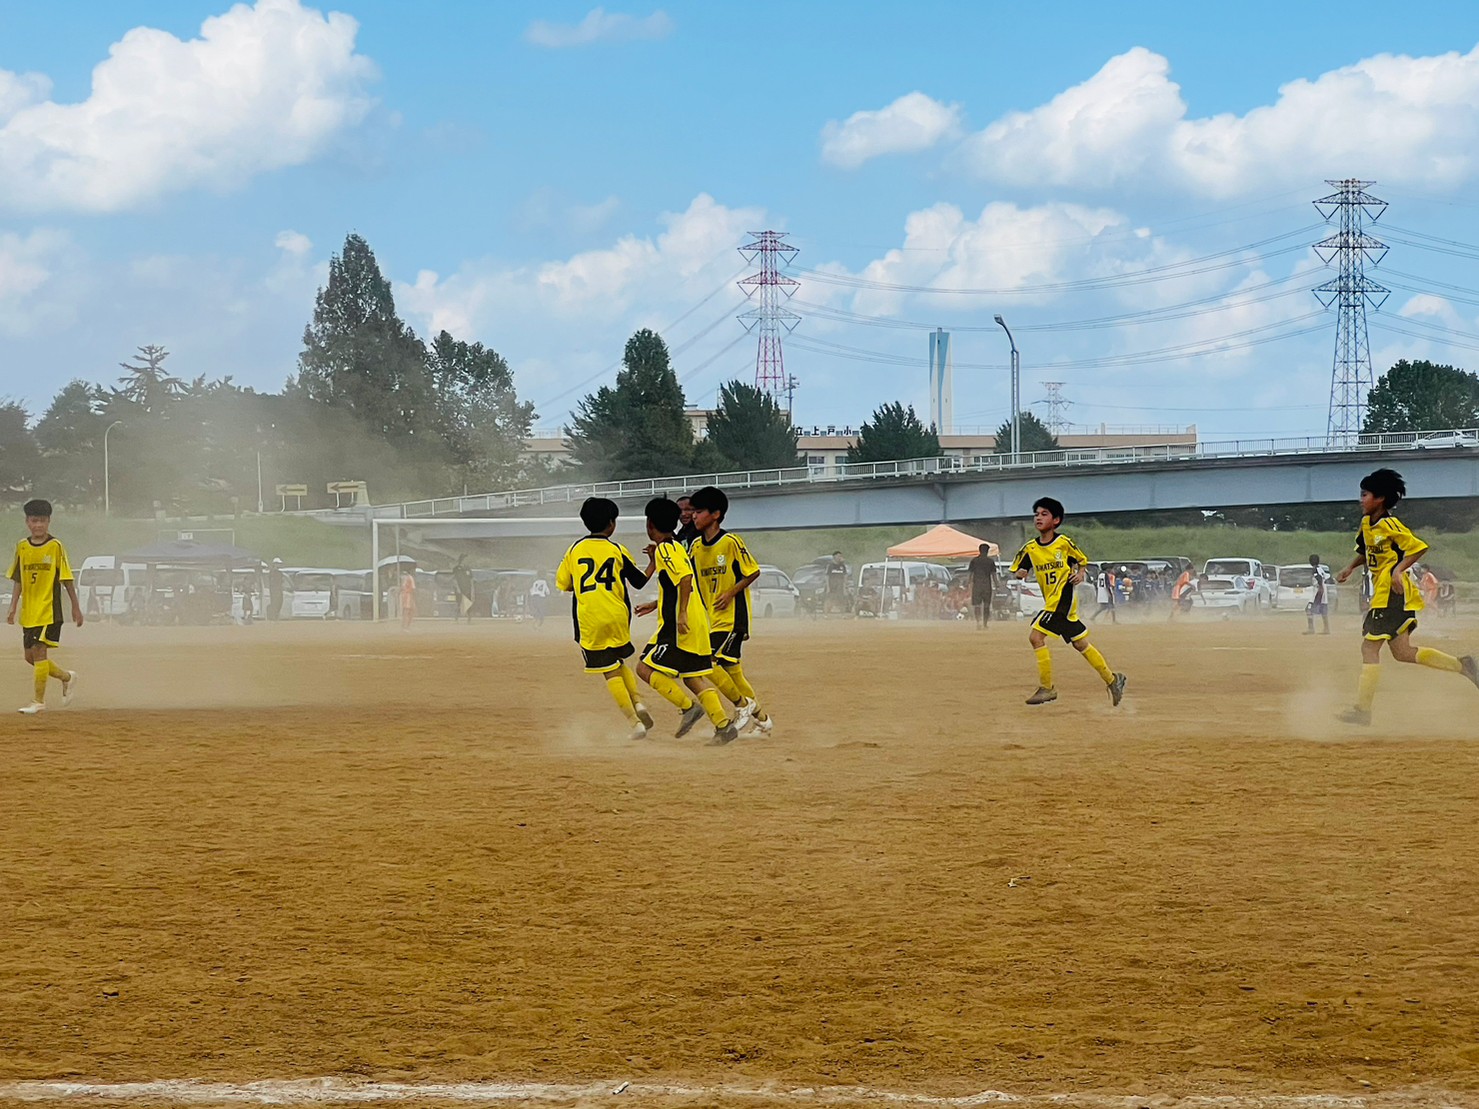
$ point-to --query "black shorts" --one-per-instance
(1058, 623)
(1388, 623)
(49, 636)
(675, 662)
(603, 659)
(727, 645)
(979, 599)
(1316, 608)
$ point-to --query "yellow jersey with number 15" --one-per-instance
(597, 571)
(1054, 563)
(39, 570)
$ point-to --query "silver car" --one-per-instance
(772, 594)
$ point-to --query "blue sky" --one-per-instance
(548, 178)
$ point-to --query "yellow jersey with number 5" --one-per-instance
(1054, 562)
(39, 570)
(597, 571)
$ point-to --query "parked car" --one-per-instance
(1442, 439)
(1250, 570)
(1294, 587)
(885, 587)
(309, 593)
(1230, 594)
(353, 596)
(773, 593)
(811, 581)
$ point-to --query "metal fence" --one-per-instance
(1447, 439)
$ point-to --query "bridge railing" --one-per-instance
(1069, 458)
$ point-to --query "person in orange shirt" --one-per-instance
(1428, 583)
(1183, 593)
(408, 598)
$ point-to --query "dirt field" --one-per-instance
(433, 857)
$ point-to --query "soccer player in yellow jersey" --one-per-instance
(1059, 566)
(725, 570)
(597, 571)
(40, 572)
(1389, 550)
(679, 651)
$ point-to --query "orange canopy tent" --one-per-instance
(942, 542)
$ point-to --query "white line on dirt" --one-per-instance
(330, 1091)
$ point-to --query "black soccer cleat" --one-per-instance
(727, 734)
(1117, 689)
(1043, 695)
(691, 716)
(1470, 668)
(1361, 717)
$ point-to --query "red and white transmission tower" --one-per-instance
(770, 317)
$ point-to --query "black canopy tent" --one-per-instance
(186, 554)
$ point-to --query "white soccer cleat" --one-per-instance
(762, 727)
(643, 715)
(69, 689)
(33, 708)
(639, 731)
(741, 719)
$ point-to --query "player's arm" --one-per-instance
(1078, 562)
(1359, 559)
(71, 587)
(632, 576)
(747, 567)
(564, 579)
(685, 590)
(723, 599)
(15, 590)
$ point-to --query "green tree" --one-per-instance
(894, 433)
(748, 430)
(20, 458)
(145, 382)
(359, 356)
(70, 438)
(638, 428)
(1422, 396)
(479, 417)
(1034, 433)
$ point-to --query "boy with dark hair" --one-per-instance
(1388, 550)
(40, 571)
(687, 531)
(1059, 565)
(597, 571)
(680, 649)
(982, 570)
(1319, 601)
(726, 570)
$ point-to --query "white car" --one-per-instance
(1294, 587)
(772, 594)
(1441, 439)
(1230, 594)
(1254, 577)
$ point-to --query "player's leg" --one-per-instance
(629, 680)
(726, 727)
(611, 678)
(40, 673)
(670, 689)
(1039, 640)
(726, 685)
(1403, 651)
(1115, 682)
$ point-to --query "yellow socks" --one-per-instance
(66, 675)
(1044, 667)
(630, 681)
(726, 685)
(1437, 660)
(741, 683)
(41, 671)
(1096, 660)
(618, 690)
(709, 698)
(1366, 686)
(670, 691)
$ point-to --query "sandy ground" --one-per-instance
(299, 851)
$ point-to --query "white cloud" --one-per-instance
(293, 243)
(599, 25)
(1427, 304)
(1396, 118)
(264, 86)
(29, 267)
(912, 123)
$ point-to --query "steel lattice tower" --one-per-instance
(1057, 421)
(1350, 249)
(770, 317)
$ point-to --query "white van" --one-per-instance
(309, 592)
(886, 587)
(353, 593)
(103, 585)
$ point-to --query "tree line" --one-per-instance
(371, 401)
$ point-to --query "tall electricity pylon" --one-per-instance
(1350, 249)
(770, 318)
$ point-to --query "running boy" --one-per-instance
(680, 646)
(1319, 602)
(597, 570)
(40, 570)
(725, 570)
(1059, 565)
(1388, 550)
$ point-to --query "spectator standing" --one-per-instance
(462, 580)
(1319, 602)
(538, 600)
(983, 582)
(836, 584)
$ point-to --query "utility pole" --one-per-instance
(1351, 291)
(1057, 421)
(1016, 392)
(791, 386)
(770, 318)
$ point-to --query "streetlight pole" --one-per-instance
(107, 498)
(1016, 392)
(259, 481)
